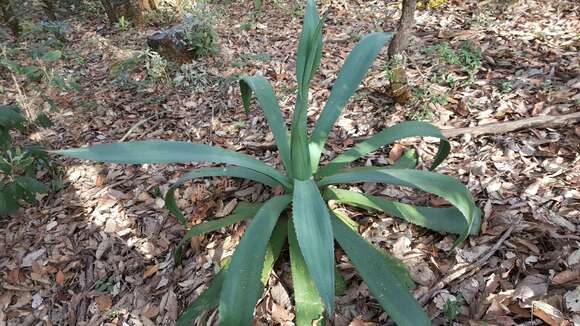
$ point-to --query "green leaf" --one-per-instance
(382, 275)
(52, 56)
(242, 287)
(314, 232)
(398, 268)
(43, 120)
(236, 171)
(386, 137)
(448, 219)
(5, 166)
(308, 305)
(159, 151)
(407, 161)
(242, 212)
(277, 241)
(8, 204)
(307, 62)
(435, 183)
(32, 185)
(10, 117)
(265, 95)
(354, 69)
(209, 299)
(309, 47)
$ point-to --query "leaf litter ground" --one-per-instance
(99, 250)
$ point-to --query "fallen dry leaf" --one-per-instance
(150, 271)
(104, 302)
(59, 278)
(548, 313)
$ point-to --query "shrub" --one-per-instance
(199, 32)
(312, 227)
(18, 165)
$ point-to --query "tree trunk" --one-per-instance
(406, 24)
(49, 7)
(130, 9)
(399, 88)
(7, 8)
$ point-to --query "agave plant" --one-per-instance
(300, 216)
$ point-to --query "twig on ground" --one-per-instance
(141, 122)
(458, 272)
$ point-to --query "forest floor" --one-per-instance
(99, 251)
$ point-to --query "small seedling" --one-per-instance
(452, 308)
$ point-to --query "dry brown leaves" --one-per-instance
(99, 251)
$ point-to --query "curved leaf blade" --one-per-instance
(243, 211)
(267, 99)
(379, 271)
(441, 185)
(314, 233)
(447, 220)
(235, 171)
(307, 62)
(386, 137)
(308, 305)
(161, 152)
(209, 299)
(242, 286)
(309, 47)
(354, 69)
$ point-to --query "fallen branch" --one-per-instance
(546, 121)
(141, 122)
(462, 270)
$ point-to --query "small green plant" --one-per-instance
(199, 32)
(397, 62)
(546, 85)
(155, 65)
(468, 57)
(122, 24)
(505, 87)
(310, 227)
(452, 309)
(19, 165)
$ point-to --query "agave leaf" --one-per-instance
(449, 219)
(159, 151)
(309, 306)
(235, 171)
(407, 161)
(309, 47)
(242, 286)
(314, 233)
(267, 98)
(209, 299)
(242, 212)
(435, 183)
(307, 62)
(354, 69)
(386, 137)
(382, 275)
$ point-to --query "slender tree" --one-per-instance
(405, 28)
(399, 87)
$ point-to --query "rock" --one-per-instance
(171, 44)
